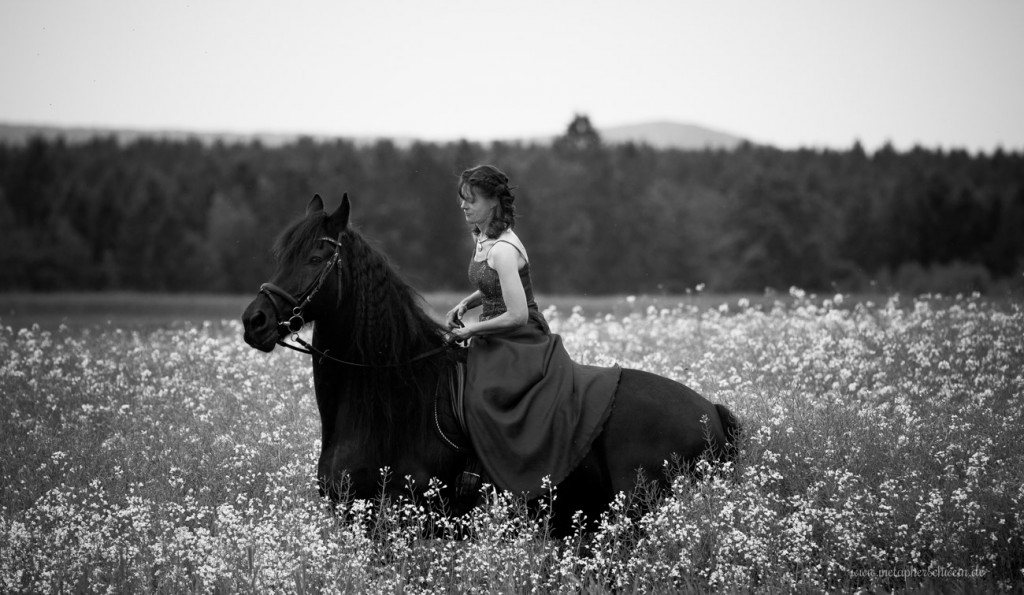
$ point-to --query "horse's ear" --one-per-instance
(339, 218)
(315, 205)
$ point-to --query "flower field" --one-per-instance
(880, 452)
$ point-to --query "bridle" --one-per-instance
(297, 321)
(294, 324)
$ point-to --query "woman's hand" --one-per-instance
(461, 333)
(454, 316)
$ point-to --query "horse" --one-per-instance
(381, 363)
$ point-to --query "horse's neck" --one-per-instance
(372, 409)
(328, 333)
(381, 415)
(334, 333)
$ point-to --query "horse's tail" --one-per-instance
(732, 427)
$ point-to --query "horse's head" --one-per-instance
(307, 276)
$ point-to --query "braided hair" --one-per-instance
(491, 182)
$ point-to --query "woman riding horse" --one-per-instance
(384, 375)
(532, 413)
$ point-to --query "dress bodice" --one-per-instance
(484, 278)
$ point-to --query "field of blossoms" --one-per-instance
(881, 452)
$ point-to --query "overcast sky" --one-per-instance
(821, 73)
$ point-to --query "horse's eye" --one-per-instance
(315, 259)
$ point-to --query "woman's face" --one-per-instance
(477, 208)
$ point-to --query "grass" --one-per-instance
(161, 454)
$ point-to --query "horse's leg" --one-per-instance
(587, 489)
(653, 419)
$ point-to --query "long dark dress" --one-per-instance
(530, 410)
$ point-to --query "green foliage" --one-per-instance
(599, 218)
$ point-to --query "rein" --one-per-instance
(324, 355)
(296, 322)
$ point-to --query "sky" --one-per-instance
(790, 73)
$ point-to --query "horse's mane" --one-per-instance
(384, 325)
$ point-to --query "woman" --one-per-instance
(532, 413)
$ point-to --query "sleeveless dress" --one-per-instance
(530, 410)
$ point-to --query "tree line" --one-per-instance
(177, 216)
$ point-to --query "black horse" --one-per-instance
(380, 364)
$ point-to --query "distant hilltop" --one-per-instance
(660, 135)
(671, 135)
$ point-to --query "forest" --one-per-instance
(191, 216)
